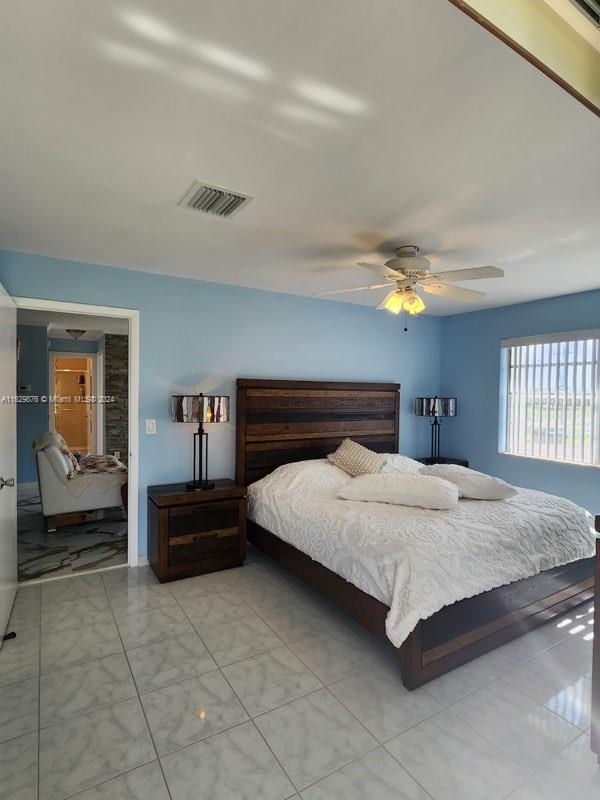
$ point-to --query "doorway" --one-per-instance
(99, 428)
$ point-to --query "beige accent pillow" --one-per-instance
(355, 459)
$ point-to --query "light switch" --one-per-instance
(150, 426)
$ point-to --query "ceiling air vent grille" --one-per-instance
(591, 8)
(213, 200)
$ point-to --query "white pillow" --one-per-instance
(394, 462)
(402, 490)
(471, 484)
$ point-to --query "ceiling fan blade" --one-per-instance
(381, 305)
(381, 269)
(357, 289)
(471, 274)
(452, 292)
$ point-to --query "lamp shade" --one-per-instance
(435, 406)
(200, 408)
(412, 303)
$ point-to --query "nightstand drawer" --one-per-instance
(204, 517)
(190, 549)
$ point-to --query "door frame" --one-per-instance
(132, 315)
(96, 389)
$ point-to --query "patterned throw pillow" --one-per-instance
(355, 459)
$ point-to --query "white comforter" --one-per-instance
(415, 560)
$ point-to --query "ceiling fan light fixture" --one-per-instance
(412, 303)
(394, 303)
(409, 271)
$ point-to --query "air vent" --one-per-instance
(591, 8)
(213, 200)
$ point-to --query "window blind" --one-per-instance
(553, 397)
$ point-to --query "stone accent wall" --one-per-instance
(116, 373)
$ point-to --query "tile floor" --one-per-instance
(244, 685)
(73, 549)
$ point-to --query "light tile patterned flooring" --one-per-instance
(72, 549)
(244, 685)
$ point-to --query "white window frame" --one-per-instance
(562, 436)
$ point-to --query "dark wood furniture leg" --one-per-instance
(596, 666)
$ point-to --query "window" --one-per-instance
(551, 397)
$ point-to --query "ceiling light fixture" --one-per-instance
(408, 270)
(412, 303)
(404, 300)
(394, 303)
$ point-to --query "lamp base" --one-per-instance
(198, 486)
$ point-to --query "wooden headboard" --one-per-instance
(283, 421)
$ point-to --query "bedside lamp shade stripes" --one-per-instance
(200, 409)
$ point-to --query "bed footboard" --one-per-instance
(457, 633)
(470, 628)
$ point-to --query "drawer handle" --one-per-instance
(205, 537)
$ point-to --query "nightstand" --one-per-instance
(428, 461)
(190, 533)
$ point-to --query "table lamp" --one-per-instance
(200, 409)
(435, 407)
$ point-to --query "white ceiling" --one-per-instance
(58, 322)
(352, 124)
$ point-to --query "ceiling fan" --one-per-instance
(409, 271)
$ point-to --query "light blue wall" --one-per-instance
(471, 371)
(73, 346)
(204, 335)
(32, 418)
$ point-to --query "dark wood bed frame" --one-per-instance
(279, 422)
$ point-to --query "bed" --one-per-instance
(286, 422)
